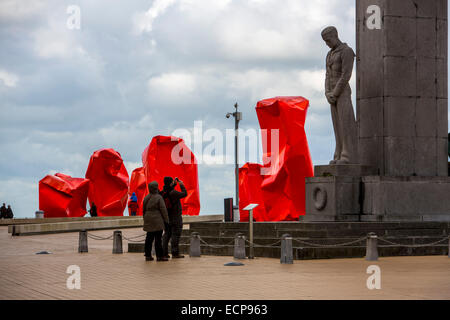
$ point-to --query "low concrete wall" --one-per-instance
(97, 224)
(7, 222)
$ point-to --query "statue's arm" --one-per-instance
(348, 58)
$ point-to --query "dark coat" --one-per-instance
(175, 213)
(3, 212)
(9, 213)
(93, 210)
(154, 208)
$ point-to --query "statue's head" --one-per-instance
(330, 36)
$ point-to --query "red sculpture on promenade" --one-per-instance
(169, 156)
(138, 185)
(250, 181)
(108, 182)
(285, 166)
(62, 196)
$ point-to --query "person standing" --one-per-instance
(172, 199)
(3, 211)
(155, 221)
(93, 210)
(133, 204)
(9, 213)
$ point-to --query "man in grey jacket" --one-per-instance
(339, 66)
(155, 218)
(173, 232)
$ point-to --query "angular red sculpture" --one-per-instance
(109, 182)
(169, 156)
(138, 185)
(250, 181)
(62, 196)
(285, 169)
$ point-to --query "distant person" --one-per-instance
(133, 204)
(3, 211)
(155, 221)
(93, 210)
(9, 213)
(172, 199)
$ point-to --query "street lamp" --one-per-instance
(249, 208)
(237, 117)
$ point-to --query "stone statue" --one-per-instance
(339, 66)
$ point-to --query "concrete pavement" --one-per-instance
(25, 275)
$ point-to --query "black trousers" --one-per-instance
(149, 243)
(173, 234)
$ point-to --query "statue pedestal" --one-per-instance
(334, 198)
(352, 193)
(333, 194)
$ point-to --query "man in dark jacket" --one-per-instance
(9, 213)
(93, 210)
(172, 199)
(3, 211)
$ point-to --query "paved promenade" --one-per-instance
(25, 275)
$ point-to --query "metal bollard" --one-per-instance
(83, 242)
(239, 246)
(194, 248)
(372, 247)
(117, 242)
(287, 256)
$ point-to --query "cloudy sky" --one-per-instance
(137, 69)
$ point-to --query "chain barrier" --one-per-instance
(297, 240)
(273, 245)
(393, 244)
(217, 246)
(95, 237)
(133, 239)
(329, 245)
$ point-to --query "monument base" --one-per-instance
(406, 198)
(334, 198)
(337, 193)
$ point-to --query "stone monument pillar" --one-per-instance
(402, 86)
(402, 114)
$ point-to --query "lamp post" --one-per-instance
(237, 117)
(249, 208)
